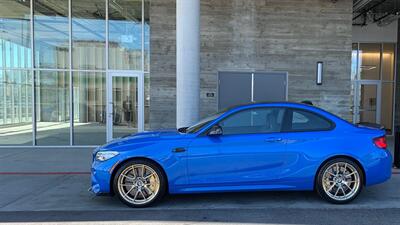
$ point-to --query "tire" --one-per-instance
(137, 190)
(333, 186)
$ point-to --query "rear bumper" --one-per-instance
(379, 167)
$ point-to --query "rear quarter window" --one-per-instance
(302, 120)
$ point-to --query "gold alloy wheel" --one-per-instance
(341, 181)
(138, 184)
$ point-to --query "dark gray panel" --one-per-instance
(269, 87)
(234, 89)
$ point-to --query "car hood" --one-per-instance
(144, 138)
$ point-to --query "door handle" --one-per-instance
(178, 150)
(273, 139)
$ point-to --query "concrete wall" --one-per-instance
(265, 35)
(375, 34)
(162, 64)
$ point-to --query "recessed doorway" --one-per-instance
(373, 75)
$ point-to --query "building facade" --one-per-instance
(240, 35)
(80, 72)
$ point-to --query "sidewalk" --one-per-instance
(45, 160)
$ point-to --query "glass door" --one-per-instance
(368, 102)
(125, 105)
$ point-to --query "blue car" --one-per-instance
(255, 147)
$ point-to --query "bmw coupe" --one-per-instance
(255, 147)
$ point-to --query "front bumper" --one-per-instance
(101, 175)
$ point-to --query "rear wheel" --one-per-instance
(139, 183)
(339, 181)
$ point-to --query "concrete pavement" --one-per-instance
(69, 193)
(206, 216)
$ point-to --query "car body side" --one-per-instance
(296, 167)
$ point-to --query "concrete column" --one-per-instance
(187, 62)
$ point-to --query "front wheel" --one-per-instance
(339, 181)
(139, 183)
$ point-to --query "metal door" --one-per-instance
(235, 88)
(270, 87)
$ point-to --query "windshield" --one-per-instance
(202, 123)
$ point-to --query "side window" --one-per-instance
(308, 121)
(253, 121)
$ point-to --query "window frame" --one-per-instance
(219, 120)
(284, 125)
(289, 121)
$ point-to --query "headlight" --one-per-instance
(105, 155)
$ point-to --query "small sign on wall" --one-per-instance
(210, 94)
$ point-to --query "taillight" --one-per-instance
(380, 142)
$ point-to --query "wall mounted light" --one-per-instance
(320, 72)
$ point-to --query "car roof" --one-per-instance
(293, 104)
(282, 104)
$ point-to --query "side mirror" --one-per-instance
(182, 129)
(216, 130)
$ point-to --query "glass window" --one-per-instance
(52, 107)
(89, 108)
(15, 34)
(51, 34)
(368, 102)
(388, 61)
(387, 106)
(203, 122)
(147, 101)
(146, 35)
(125, 34)
(253, 121)
(307, 121)
(369, 61)
(15, 107)
(88, 34)
(375, 61)
(125, 105)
